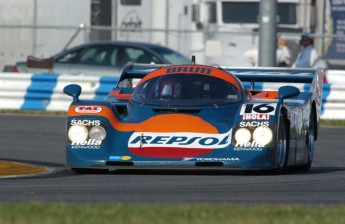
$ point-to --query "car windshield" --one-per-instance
(186, 90)
(172, 56)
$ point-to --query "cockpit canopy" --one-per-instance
(186, 90)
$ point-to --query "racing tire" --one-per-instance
(282, 149)
(89, 171)
(310, 143)
(282, 152)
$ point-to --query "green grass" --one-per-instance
(50, 213)
(332, 122)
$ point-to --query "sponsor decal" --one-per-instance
(87, 142)
(255, 117)
(91, 109)
(86, 122)
(254, 123)
(85, 147)
(180, 140)
(247, 149)
(191, 69)
(248, 146)
(258, 109)
(122, 158)
(176, 136)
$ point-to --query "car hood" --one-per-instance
(212, 119)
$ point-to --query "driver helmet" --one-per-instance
(168, 88)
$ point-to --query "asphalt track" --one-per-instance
(39, 140)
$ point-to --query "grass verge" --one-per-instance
(337, 123)
(37, 212)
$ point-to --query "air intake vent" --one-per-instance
(117, 163)
(174, 110)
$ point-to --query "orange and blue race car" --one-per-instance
(197, 117)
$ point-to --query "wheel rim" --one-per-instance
(311, 141)
(311, 147)
(281, 144)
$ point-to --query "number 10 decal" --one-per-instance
(258, 108)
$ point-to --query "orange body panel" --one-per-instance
(161, 123)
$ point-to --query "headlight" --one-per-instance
(262, 135)
(77, 133)
(98, 133)
(242, 136)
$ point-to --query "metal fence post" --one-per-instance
(267, 33)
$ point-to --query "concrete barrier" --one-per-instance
(45, 92)
(335, 76)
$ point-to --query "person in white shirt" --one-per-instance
(307, 57)
(283, 55)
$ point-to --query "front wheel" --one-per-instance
(310, 144)
(281, 151)
(281, 145)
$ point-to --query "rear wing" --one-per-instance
(286, 75)
(312, 77)
(131, 74)
(138, 71)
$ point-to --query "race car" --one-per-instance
(194, 116)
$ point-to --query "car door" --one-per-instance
(64, 61)
(137, 55)
(97, 60)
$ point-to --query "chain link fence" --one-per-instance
(210, 44)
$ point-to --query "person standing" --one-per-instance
(283, 55)
(307, 57)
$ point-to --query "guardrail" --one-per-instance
(45, 92)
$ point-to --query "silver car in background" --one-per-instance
(104, 58)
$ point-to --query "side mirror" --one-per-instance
(285, 92)
(73, 90)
